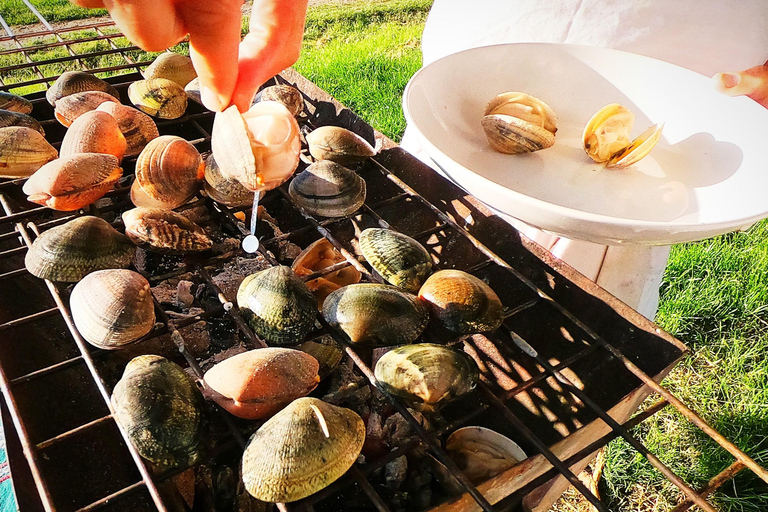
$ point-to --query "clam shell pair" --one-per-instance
(76, 248)
(339, 145)
(73, 182)
(112, 308)
(259, 148)
(14, 103)
(301, 450)
(164, 231)
(376, 314)
(172, 66)
(73, 106)
(23, 151)
(606, 137)
(11, 118)
(136, 126)
(94, 132)
(158, 97)
(515, 122)
(74, 82)
(398, 258)
(426, 375)
(258, 383)
(162, 411)
(278, 305)
(318, 256)
(224, 190)
(168, 173)
(328, 189)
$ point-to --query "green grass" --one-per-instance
(14, 12)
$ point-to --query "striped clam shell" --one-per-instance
(515, 122)
(11, 118)
(23, 151)
(73, 106)
(15, 103)
(168, 173)
(328, 189)
(136, 126)
(158, 97)
(224, 190)
(73, 82)
(398, 258)
(287, 95)
(164, 231)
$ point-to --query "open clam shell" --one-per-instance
(73, 106)
(73, 182)
(426, 375)
(73, 82)
(481, 453)
(398, 258)
(258, 383)
(15, 103)
(301, 450)
(168, 173)
(11, 118)
(259, 148)
(515, 122)
(606, 137)
(461, 302)
(23, 151)
(278, 305)
(320, 255)
(75, 249)
(227, 191)
(328, 189)
(162, 411)
(94, 132)
(287, 95)
(136, 126)
(173, 66)
(376, 314)
(338, 144)
(158, 97)
(112, 308)
(164, 231)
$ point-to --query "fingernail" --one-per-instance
(730, 80)
(211, 100)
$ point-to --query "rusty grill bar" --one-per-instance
(392, 168)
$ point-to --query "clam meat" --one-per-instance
(338, 144)
(164, 231)
(606, 137)
(398, 258)
(11, 118)
(224, 190)
(76, 248)
(259, 148)
(426, 375)
(328, 189)
(94, 132)
(136, 126)
(173, 66)
(301, 450)
(278, 305)
(162, 411)
(168, 173)
(73, 106)
(112, 308)
(158, 97)
(461, 302)
(258, 383)
(318, 256)
(15, 103)
(376, 314)
(287, 95)
(23, 151)
(515, 122)
(73, 82)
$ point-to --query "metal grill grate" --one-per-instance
(546, 368)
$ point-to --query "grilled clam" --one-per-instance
(480, 453)
(300, 450)
(515, 122)
(15, 103)
(168, 173)
(339, 145)
(94, 132)
(278, 305)
(328, 189)
(23, 151)
(162, 411)
(258, 383)
(73, 106)
(426, 375)
(320, 255)
(326, 351)
(606, 137)
(75, 249)
(112, 308)
(73, 82)
(224, 190)
(73, 182)
(287, 95)
(164, 231)
(11, 118)
(398, 258)
(259, 148)
(136, 126)
(461, 302)
(158, 97)
(376, 314)
(173, 66)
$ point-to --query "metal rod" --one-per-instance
(112, 497)
(714, 484)
(30, 318)
(53, 440)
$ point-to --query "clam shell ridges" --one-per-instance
(94, 132)
(291, 457)
(168, 170)
(11, 118)
(328, 189)
(73, 106)
(173, 66)
(23, 151)
(71, 251)
(73, 82)
(338, 144)
(136, 126)
(398, 258)
(159, 97)
(164, 231)
(15, 103)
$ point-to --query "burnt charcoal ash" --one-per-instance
(232, 274)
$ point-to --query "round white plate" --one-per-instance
(707, 176)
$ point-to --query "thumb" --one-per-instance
(753, 83)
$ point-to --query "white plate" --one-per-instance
(707, 176)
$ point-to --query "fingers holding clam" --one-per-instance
(606, 137)
(23, 151)
(515, 122)
(94, 132)
(224, 190)
(164, 231)
(328, 189)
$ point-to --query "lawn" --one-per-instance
(714, 296)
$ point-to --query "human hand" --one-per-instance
(230, 71)
(753, 83)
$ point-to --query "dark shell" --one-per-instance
(462, 303)
(338, 144)
(11, 118)
(376, 314)
(73, 82)
(224, 190)
(328, 189)
(398, 258)
(15, 103)
(426, 375)
(73, 250)
(278, 305)
(161, 409)
(289, 96)
(164, 231)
